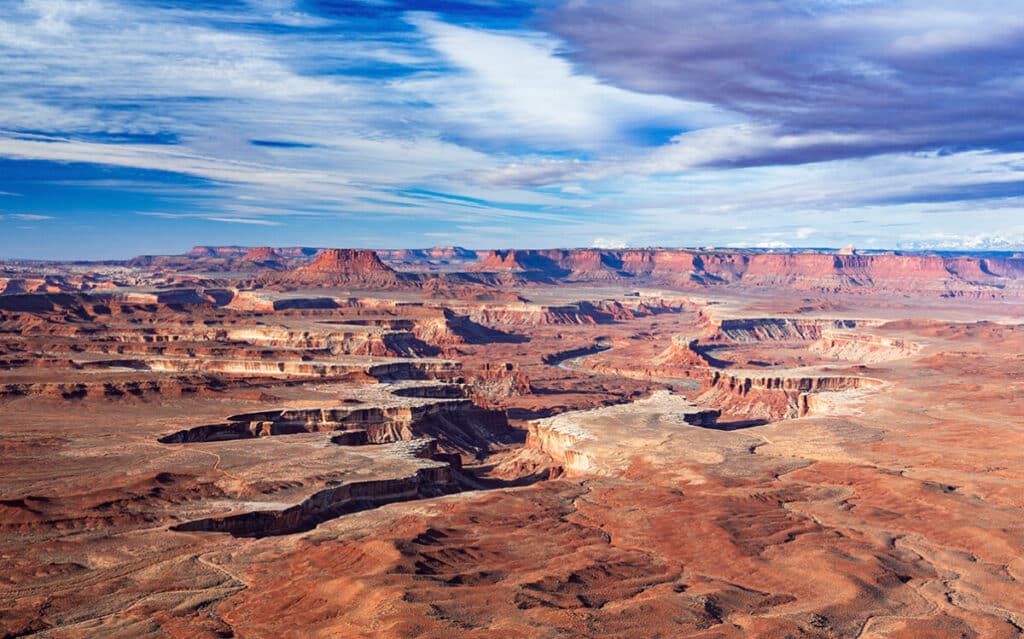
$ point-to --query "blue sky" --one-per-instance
(147, 126)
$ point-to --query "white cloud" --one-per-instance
(212, 218)
(462, 141)
(605, 243)
(518, 88)
(26, 217)
(168, 58)
(735, 145)
(241, 220)
(761, 244)
(965, 242)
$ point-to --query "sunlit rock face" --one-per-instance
(552, 443)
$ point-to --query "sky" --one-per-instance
(147, 126)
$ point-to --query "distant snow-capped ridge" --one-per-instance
(965, 243)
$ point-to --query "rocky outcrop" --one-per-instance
(583, 313)
(773, 329)
(562, 443)
(357, 340)
(217, 251)
(812, 271)
(451, 329)
(299, 251)
(830, 338)
(742, 384)
(584, 265)
(683, 354)
(437, 255)
(774, 397)
(457, 424)
(177, 297)
(244, 300)
(520, 261)
(51, 284)
(449, 253)
(352, 268)
(602, 441)
(192, 386)
(559, 358)
(390, 369)
(264, 257)
(862, 347)
(495, 382)
(347, 262)
(329, 503)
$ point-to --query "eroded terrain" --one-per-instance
(279, 442)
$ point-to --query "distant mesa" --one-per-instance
(844, 270)
(451, 253)
(552, 262)
(347, 261)
(456, 268)
(217, 251)
(263, 255)
(202, 251)
(576, 265)
(436, 254)
(342, 267)
(298, 251)
(498, 261)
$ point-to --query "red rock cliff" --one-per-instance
(344, 267)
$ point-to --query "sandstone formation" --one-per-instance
(591, 442)
(775, 397)
(217, 251)
(464, 272)
(564, 443)
(349, 268)
(264, 256)
(879, 273)
(348, 263)
(434, 257)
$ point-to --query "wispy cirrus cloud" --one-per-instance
(514, 88)
(503, 123)
(288, 112)
(25, 217)
(214, 218)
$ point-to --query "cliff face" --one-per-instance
(602, 441)
(524, 261)
(217, 251)
(458, 425)
(770, 329)
(329, 503)
(863, 348)
(583, 265)
(682, 355)
(821, 271)
(563, 447)
(343, 267)
(813, 271)
(437, 253)
(347, 261)
(262, 254)
(602, 312)
(774, 397)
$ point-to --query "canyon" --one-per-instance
(332, 442)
